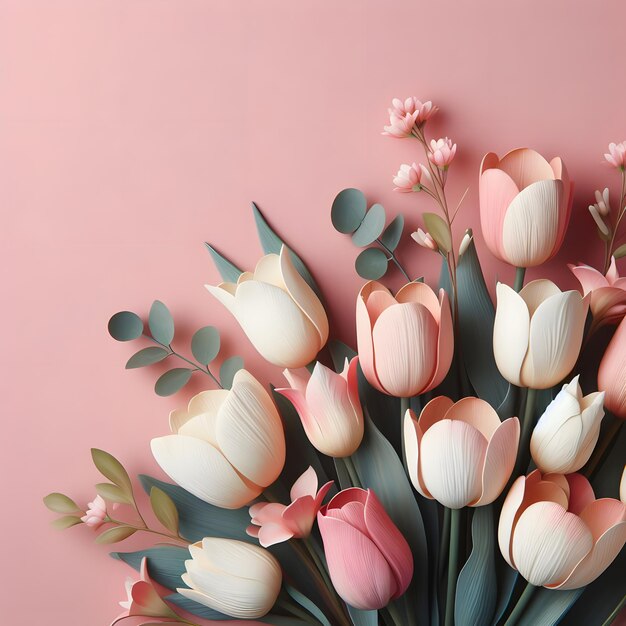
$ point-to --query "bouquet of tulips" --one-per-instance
(463, 466)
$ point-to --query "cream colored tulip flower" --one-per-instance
(233, 577)
(227, 446)
(278, 311)
(538, 333)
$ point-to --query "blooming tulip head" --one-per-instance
(329, 407)
(278, 311)
(96, 513)
(369, 561)
(233, 577)
(612, 373)
(556, 534)
(227, 446)
(408, 178)
(538, 333)
(525, 205)
(568, 430)
(616, 155)
(273, 522)
(441, 152)
(405, 343)
(460, 454)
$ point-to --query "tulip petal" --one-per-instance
(445, 342)
(422, 294)
(581, 493)
(298, 378)
(526, 166)
(306, 485)
(434, 412)
(268, 271)
(476, 413)
(271, 534)
(225, 293)
(509, 516)
(536, 292)
(300, 515)
(412, 434)
(612, 373)
(589, 278)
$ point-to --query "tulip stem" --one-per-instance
(453, 563)
(291, 608)
(521, 605)
(394, 614)
(520, 273)
(609, 436)
(523, 453)
(351, 469)
(405, 404)
(146, 529)
(611, 618)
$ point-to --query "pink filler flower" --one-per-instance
(441, 152)
(616, 155)
(405, 115)
(408, 178)
(96, 513)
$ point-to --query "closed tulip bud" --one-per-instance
(556, 534)
(227, 446)
(460, 454)
(405, 343)
(369, 561)
(612, 373)
(568, 430)
(329, 407)
(278, 311)
(538, 333)
(525, 205)
(233, 577)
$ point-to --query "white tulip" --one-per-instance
(278, 311)
(227, 446)
(568, 430)
(233, 577)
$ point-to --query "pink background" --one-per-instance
(133, 130)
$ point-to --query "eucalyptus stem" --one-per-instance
(443, 542)
(520, 273)
(453, 564)
(394, 258)
(521, 605)
(610, 434)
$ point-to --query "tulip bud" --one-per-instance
(233, 577)
(425, 240)
(600, 223)
(612, 373)
(622, 487)
(465, 242)
(602, 202)
(568, 430)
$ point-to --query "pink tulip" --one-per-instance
(279, 522)
(460, 454)
(441, 152)
(616, 155)
(612, 373)
(405, 343)
(329, 407)
(96, 513)
(408, 178)
(424, 239)
(556, 534)
(608, 293)
(369, 561)
(525, 205)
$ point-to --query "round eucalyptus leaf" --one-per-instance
(172, 381)
(393, 232)
(125, 326)
(348, 211)
(371, 264)
(147, 356)
(228, 370)
(205, 344)
(161, 323)
(372, 225)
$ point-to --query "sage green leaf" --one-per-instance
(116, 534)
(606, 479)
(195, 608)
(476, 585)
(507, 579)
(371, 227)
(307, 605)
(161, 323)
(172, 381)
(548, 606)
(113, 493)
(371, 264)
(125, 326)
(228, 369)
(164, 509)
(393, 233)
(147, 356)
(112, 469)
(229, 272)
(348, 210)
(205, 344)
(360, 617)
(165, 563)
(620, 252)
(339, 352)
(60, 503)
(66, 522)
(439, 231)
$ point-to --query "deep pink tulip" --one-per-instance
(612, 373)
(369, 561)
(616, 155)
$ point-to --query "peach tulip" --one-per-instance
(405, 343)
(278, 311)
(525, 205)
(556, 534)
(460, 454)
(616, 155)
(612, 373)
(227, 446)
(538, 333)
(369, 561)
(329, 407)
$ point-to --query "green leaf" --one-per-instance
(172, 381)
(393, 233)
(147, 356)
(205, 344)
(112, 469)
(438, 230)
(125, 326)
(620, 252)
(371, 227)
(360, 617)
(348, 210)
(113, 493)
(307, 605)
(164, 509)
(195, 608)
(165, 563)
(548, 606)
(113, 535)
(371, 264)
(229, 272)
(476, 584)
(228, 369)
(66, 522)
(161, 323)
(339, 352)
(60, 503)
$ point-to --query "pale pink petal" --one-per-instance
(612, 373)
(412, 436)
(300, 515)
(306, 485)
(309, 423)
(271, 534)
(476, 413)
(588, 277)
(422, 294)
(612, 274)
(434, 412)
(445, 342)
(509, 516)
(537, 291)
(526, 166)
(298, 378)
(321, 494)
(266, 512)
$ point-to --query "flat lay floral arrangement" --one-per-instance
(465, 465)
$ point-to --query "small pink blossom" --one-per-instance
(424, 110)
(408, 178)
(424, 239)
(616, 155)
(401, 126)
(274, 523)
(442, 152)
(96, 513)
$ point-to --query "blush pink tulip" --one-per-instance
(369, 561)
(616, 155)
(274, 523)
(612, 373)
(405, 343)
(525, 205)
(460, 454)
(441, 152)
(96, 513)
(408, 178)
(556, 534)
